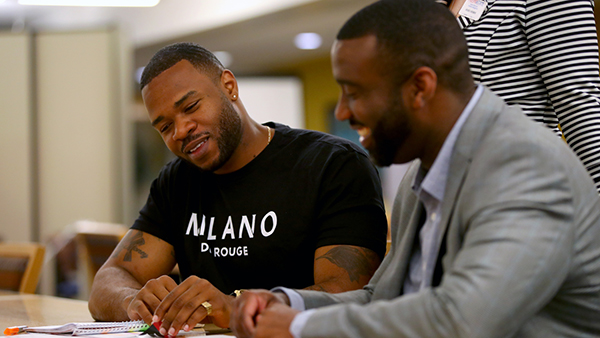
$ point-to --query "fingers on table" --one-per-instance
(149, 298)
(183, 306)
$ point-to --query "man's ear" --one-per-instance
(229, 84)
(420, 87)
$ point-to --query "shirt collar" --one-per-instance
(434, 181)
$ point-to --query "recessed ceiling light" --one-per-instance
(92, 3)
(308, 41)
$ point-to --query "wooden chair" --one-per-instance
(20, 266)
(95, 243)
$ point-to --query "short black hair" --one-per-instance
(411, 34)
(201, 58)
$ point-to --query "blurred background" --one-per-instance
(77, 148)
(78, 151)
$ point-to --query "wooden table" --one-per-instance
(37, 310)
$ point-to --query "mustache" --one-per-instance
(354, 123)
(191, 138)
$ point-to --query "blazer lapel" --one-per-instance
(405, 221)
(473, 130)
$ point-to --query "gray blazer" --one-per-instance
(522, 235)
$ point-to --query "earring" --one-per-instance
(234, 96)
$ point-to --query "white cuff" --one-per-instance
(296, 301)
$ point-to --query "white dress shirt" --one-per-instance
(430, 188)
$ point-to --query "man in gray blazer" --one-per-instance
(496, 225)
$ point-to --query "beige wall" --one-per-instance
(15, 138)
(78, 129)
(66, 135)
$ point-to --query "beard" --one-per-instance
(389, 134)
(230, 135)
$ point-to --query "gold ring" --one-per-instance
(208, 307)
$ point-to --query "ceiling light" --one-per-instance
(92, 3)
(308, 41)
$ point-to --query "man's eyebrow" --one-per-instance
(157, 121)
(185, 97)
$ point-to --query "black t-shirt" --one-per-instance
(259, 227)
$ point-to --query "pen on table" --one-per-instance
(153, 330)
(9, 331)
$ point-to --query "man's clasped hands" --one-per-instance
(196, 300)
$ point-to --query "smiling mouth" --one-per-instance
(363, 133)
(196, 147)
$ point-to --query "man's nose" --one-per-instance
(342, 112)
(183, 128)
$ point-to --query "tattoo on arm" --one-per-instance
(133, 245)
(357, 262)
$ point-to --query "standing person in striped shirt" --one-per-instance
(543, 56)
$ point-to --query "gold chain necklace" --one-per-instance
(269, 135)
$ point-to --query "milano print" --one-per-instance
(245, 227)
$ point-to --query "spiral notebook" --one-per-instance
(79, 329)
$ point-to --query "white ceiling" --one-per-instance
(258, 33)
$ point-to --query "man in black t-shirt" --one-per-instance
(244, 205)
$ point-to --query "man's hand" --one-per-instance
(182, 307)
(275, 321)
(249, 309)
(148, 298)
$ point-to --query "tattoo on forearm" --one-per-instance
(357, 262)
(133, 245)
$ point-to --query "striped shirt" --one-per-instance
(543, 56)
